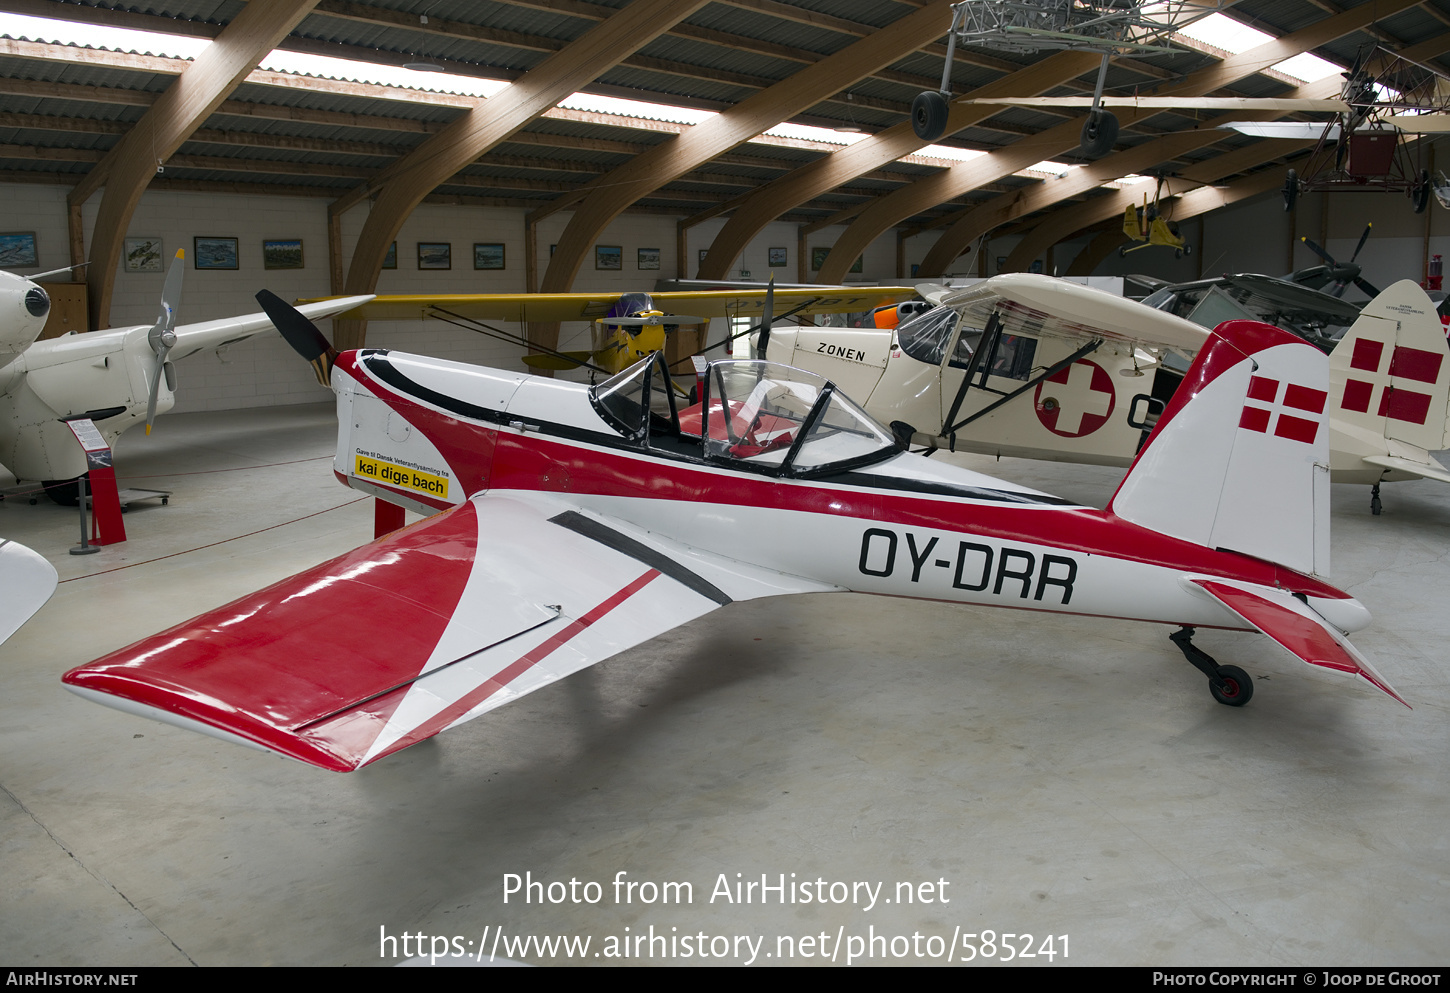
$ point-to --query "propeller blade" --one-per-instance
(162, 334)
(767, 313)
(652, 320)
(1317, 250)
(1367, 286)
(304, 337)
(1362, 239)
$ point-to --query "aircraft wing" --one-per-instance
(26, 582)
(1282, 294)
(519, 307)
(421, 630)
(211, 335)
(1045, 307)
(1297, 628)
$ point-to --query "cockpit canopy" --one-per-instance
(757, 415)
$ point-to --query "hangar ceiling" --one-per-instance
(829, 63)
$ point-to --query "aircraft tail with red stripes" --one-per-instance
(1239, 461)
(1389, 391)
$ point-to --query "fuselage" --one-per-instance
(430, 434)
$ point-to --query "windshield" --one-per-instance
(624, 399)
(771, 415)
(924, 336)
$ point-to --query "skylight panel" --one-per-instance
(1225, 33)
(1308, 67)
(101, 36)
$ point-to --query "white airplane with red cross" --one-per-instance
(1034, 367)
(571, 522)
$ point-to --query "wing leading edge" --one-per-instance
(421, 630)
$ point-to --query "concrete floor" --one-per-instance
(1063, 777)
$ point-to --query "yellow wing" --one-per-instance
(518, 307)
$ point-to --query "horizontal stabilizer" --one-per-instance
(1297, 628)
(1432, 470)
(421, 630)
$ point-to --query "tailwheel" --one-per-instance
(1229, 684)
(1233, 687)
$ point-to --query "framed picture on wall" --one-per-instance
(143, 255)
(777, 258)
(608, 257)
(647, 258)
(17, 250)
(856, 266)
(282, 253)
(818, 258)
(488, 255)
(390, 261)
(435, 255)
(214, 253)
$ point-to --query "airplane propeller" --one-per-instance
(767, 314)
(1341, 274)
(162, 336)
(304, 337)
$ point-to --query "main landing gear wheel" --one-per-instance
(1099, 133)
(65, 492)
(1291, 190)
(1229, 684)
(1374, 500)
(929, 114)
(1420, 192)
(1237, 688)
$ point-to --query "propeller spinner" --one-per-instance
(162, 336)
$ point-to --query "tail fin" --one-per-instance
(1390, 378)
(1240, 459)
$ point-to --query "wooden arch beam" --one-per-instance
(1101, 247)
(660, 165)
(895, 207)
(404, 184)
(131, 164)
(825, 174)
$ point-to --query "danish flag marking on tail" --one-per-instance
(1397, 403)
(1289, 425)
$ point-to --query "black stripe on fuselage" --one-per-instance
(376, 362)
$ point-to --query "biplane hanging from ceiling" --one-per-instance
(1109, 27)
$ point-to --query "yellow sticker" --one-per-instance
(401, 476)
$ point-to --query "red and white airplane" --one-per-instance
(578, 521)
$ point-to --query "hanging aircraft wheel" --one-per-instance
(1291, 190)
(65, 492)
(1099, 134)
(1420, 192)
(1238, 688)
(929, 114)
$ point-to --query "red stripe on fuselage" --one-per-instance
(536, 462)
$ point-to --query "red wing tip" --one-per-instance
(169, 706)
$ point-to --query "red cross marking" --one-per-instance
(1396, 402)
(1282, 402)
(1083, 407)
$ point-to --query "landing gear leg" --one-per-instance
(1229, 684)
(1374, 500)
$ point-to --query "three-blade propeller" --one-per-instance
(1341, 274)
(162, 335)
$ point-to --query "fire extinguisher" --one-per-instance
(1434, 275)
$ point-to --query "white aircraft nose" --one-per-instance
(1348, 615)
